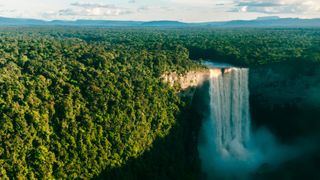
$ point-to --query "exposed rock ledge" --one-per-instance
(186, 81)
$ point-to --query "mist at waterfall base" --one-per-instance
(228, 147)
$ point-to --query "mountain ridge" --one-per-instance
(259, 22)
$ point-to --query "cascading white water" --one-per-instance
(227, 147)
(229, 111)
(225, 144)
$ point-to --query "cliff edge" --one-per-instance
(186, 81)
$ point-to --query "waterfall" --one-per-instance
(225, 144)
(229, 111)
(228, 149)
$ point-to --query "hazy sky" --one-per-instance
(182, 10)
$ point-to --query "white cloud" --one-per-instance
(193, 1)
(185, 10)
(88, 10)
(201, 2)
(277, 6)
(143, 9)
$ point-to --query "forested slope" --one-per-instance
(76, 102)
(71, 108)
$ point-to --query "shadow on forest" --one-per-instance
(173, 157)
(283, 98)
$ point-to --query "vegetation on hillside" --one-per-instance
(71, 108)
(75, 102)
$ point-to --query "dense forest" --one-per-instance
(79, 103)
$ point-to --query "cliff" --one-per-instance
(186, 81)
(194, 78)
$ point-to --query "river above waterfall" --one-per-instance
(219, 65)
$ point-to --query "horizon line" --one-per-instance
(128, 20)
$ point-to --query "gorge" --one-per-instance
(232, 144)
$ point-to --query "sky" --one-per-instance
(146, 10)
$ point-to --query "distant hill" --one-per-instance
(18, 21)
(268, 18)
(103, 23)
(281, 22)
(165, 24)
(263, 22)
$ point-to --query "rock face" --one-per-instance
(187, 83)
(189, 80)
